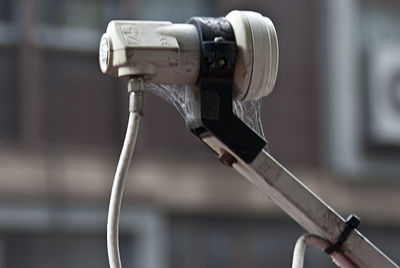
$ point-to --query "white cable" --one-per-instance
(119, 185)
(300, 248)
(318, 242)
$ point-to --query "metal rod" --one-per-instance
(307, 209)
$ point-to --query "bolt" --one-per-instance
(219, 39)
(221, 62)
(136, 84)
(226, 158)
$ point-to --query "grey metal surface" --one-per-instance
(309, 210)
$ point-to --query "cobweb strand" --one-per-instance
(248, 111)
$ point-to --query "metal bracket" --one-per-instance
(214, 116)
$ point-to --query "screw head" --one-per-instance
(219, 39)
(226, 158)
(221, 62)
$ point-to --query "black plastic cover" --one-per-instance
(218, 54)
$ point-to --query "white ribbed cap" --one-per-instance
(256, 66)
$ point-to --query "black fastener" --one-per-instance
(213, 115)
(352, 222)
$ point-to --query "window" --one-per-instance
(5, 10)
(74, 25)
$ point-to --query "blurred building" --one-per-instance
(333, 119)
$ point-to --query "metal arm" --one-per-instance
(308, 210)
(214, 123)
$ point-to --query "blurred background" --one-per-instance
(333, 120)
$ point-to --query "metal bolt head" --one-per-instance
(219, 39)
(136, 84)
(221, 62)
(226, 158)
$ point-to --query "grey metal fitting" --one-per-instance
(136, 84)
(136, 87)
(136, 102)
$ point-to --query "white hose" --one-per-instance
(118, 190)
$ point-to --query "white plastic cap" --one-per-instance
(256, 66)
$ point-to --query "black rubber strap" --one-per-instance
(352, 223)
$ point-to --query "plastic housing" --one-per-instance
(166, 53)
